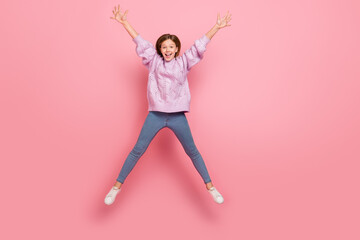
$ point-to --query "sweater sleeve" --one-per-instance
(196, 52)
(145, 50)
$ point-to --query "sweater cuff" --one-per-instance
(204, 40)
(137, 39)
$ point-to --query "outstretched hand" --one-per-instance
(118, 16)
(223, 22)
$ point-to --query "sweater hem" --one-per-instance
(169, 110)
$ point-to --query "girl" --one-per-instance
(168, 96)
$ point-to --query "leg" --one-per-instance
(179, 125)
(153, 124)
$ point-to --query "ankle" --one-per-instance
(209, 185)
(118, 185)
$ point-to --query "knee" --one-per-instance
(192, 151)
(138, 150)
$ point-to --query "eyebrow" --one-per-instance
(171, 44)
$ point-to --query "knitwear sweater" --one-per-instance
(167, 87)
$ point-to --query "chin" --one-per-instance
(168, 60)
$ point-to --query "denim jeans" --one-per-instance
(154, 122)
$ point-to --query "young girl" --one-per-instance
(168, 96)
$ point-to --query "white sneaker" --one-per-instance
(216, 195)
(110, 197)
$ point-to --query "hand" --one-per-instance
(223, 22)
(118, 16)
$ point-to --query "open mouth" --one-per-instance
(168, 54)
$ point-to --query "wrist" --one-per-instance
(124, 22)
(216, 27)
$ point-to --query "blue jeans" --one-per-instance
(154, 122)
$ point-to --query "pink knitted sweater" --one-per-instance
(168, 88)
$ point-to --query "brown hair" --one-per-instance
(165, 37)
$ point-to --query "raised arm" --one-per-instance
(144, 49)
(193, 55)
(220, 23)
(121, 18)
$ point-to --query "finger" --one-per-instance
(126, 12)
(218, 16)
(226, 15)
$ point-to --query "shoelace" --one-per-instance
(112, 192)
(215, 193)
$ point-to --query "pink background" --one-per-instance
(274, 112)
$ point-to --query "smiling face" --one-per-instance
(168, 49)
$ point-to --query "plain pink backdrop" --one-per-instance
(274, 112)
